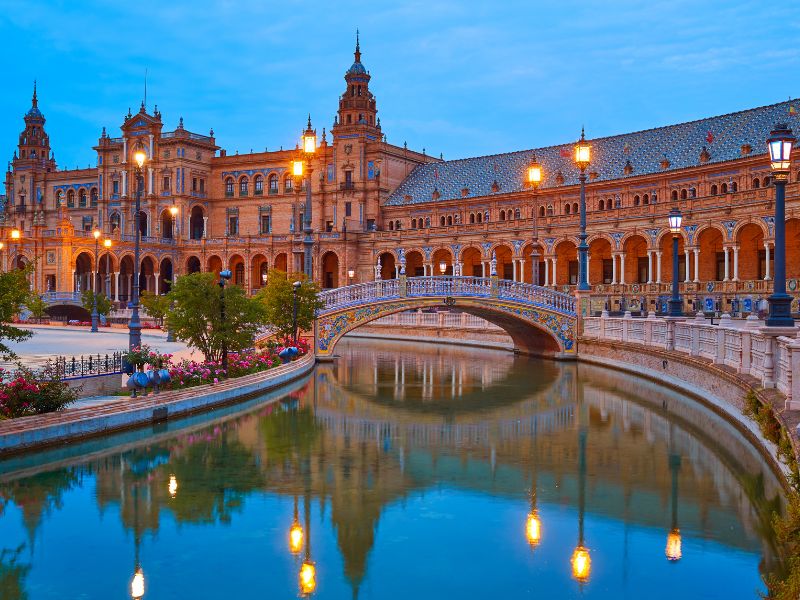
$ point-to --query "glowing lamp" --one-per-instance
(295, 538)
(351, 273)
(140, 157)
(309, 142)
(172, 488)
(673, 550)
(675, 219)
(581, 564)
(264, 278)
(533, 529)
(96, 233)
(137, 584)
(15, 234)
(583, 153)
(173, 210)
(779, 144)
(297, 168)
(107, 243)
(1, 245)
(442, 267)
(534, 173)
(308, 578)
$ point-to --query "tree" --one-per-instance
(37, 306)
(155, 305)
(278, 299)
(194, 315)
(103, 303)
(14, 295)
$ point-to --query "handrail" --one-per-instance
(447, 286)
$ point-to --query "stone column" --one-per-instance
(124, 184)
(726, 250)
(767, 276)
(658, 266)
(157, 277)
(688, 266)
(116, 287)
(649, 266)
(697, 265)
(613, 269)
(546, 272)
(74, 282)
(522, 270)
(622, 268)
(555, 280)
(736, 263)
(205, 227)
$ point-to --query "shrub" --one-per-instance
(24, 392)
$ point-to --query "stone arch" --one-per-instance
(214, 264)
(752, 255)
(126, 277)
(196, 222)
(710, 241)
(259, 269)
(83, 270)
(742, 224)
(527, 255)
(330, 270)
(600, 261)
(236, 265)
(415, 264)
(166, 275)
(388, 262)
(505, 260)
(665, 245)
(442, 256)
(636, 261)
(147, 274)
(566, 254)
(281, 262)
(193, 265)
(793, 248)
(166, 219)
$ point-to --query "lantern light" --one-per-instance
(172, 488)
(173, 210)
(583, 152)
(297, 168)
(137, 584)
(309, 139)
(675, 218)
(308, 578)
(295, 538)
(673, 550)
(107, 243)
(442, 267)
(15, 234)
(581, 564)
(96, 233)
(533, 529)
(140, 156)
(779, 144)
(534, 173)
(351, 273)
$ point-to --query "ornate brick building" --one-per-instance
(377, 207)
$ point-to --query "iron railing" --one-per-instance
(92, 364)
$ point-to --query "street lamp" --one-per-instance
(107, 245)
(309, 149)
(580, 561)
(779, 143)
(675, 303)
(95, 317)
(135, 325)
(350, 274)
(442, 267)
(295, 288)
(16, 236)
(223, 277)
(173, 211)
(534, 179)
(583, 155)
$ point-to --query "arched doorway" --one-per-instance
(165, 273)
(527, 275)
(214, 264)
(236, 265)
(505, 264)
(566, 264)
(193, 265)
(143, 229)
(126, 278)
(196, 223)
(147, 275)
(83, 271)
(388, 270)
(442, 257)
(330, 270)
(752, 255)
(712, 258)
(414, 264)
(280, 262)
(636, 262)
(106, 268)
(258, 271)
(471, 262)
(166, 225)
(665, 245)
(601, 270)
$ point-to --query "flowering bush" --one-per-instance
(139, 356)
(24, 393)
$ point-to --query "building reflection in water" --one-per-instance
(387, 422)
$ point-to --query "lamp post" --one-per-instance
(301, 168)
(780, 144)
(16, 236)
(583, 154)
(295, 288)
(107, 245)
(173, 211)
(95, 317)
(675, 302)
(135, 325)
(223, 277)
(308, 570)
(350, 275)
(673, 549)
(295, 532)
(534, 179)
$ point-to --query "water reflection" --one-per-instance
(390, 473)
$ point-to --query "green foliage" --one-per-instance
(278, 300)
(14, 295)
(37, 306)
(104, 305)
(13, 573)
(28, 393)
(155, 305)
(195, 317)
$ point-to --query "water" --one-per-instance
(412, 471)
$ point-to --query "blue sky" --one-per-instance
(462, 78)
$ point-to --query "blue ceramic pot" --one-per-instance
(164, 375)
(140, 379)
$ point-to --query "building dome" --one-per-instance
(357, 69)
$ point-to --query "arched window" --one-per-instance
(82, 198)
(413, 223)
(471, 218)
(258, 185)
(59, 198)
(724, 188)
(567, 208)
(480, 218)
(693, 192)
(272, 184)
(397, 225)
(646, 199)
(609, 204)
(734, 186)
(549, 210)
(450, 220)
(391, 225)
(714, 189)
(756, 183)
(229, 186)
(93, 197)
(636, 200)
(442, 221)
(502, 215)
(288, 185)
(575, 208)
(674, 194)
(71, 199)
(766, 181)
(427, 221)
(516, 213)
(541, 211)
(114, 222)
(243, 185)
(683, 194)
(602, 204)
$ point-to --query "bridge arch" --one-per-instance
(540, 321)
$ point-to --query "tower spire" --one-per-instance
(358, 48)
(34, 100)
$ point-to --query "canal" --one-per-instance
(403, 470)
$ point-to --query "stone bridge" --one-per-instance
(538, 319)
(62, 298)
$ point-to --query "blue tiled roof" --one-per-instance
(35, 113)
(357, 69)
(723, 138)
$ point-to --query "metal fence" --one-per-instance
(93, 364)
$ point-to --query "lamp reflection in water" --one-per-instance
(137, 584)
(308, 570)
(295, 533)
(172, 488)
(581, 562)
(533, 525)
(673, 550)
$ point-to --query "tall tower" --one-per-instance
(357, 108)
(32, 160)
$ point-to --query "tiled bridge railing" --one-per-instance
(750, 350)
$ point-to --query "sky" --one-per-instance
(461, 78)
